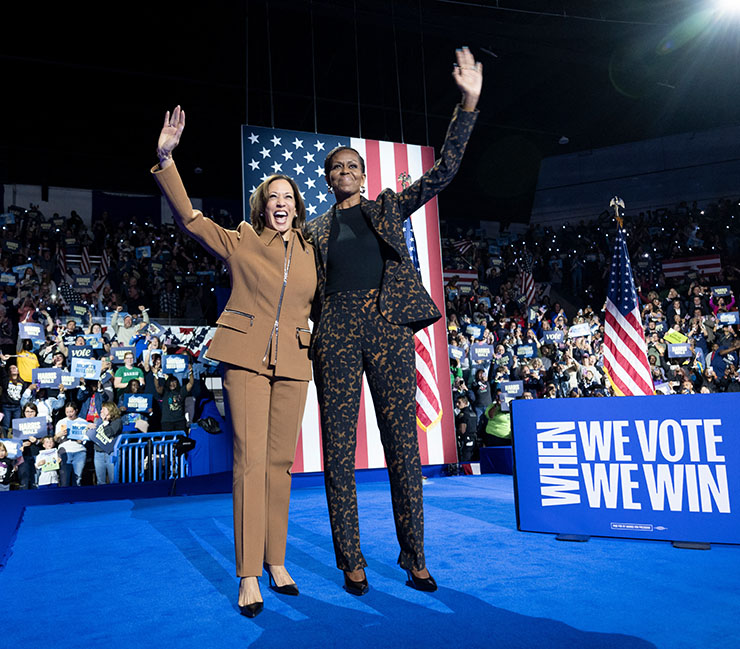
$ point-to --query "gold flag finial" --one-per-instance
(616, 203)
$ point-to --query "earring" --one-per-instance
(362, 189)
(331, 189)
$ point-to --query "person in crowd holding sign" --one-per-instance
(262, 339)
(173, 400)
(139, 419)
(72, 443)
(26, 360)
(125, 331)
(128, 372)
(7, 468)
(47, 462)
(27, 468)
(366, 317)
(12, 387)
(92, 400)
(103, 433)
(45, 405)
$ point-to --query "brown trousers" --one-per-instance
(266, 413)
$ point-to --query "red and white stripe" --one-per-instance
(678, 267)
(85, 261)
(465, 276)
(435, 419)
(527, 287)
(625, 353)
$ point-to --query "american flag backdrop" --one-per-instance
(301, 155)
(625, 352)
(527, 279)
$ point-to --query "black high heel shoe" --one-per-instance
(427, 584)
(251, 610)
(287, 589)
(355, 587)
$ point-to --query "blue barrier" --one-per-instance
(150, 456)
(664, 468)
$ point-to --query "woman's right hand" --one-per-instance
(170, 135)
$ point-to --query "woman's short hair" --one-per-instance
(337, 149)
(258, 201)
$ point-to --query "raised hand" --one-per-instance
(468, 75)
(170, 135)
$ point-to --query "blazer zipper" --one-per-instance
(246, 315)
(286, 267)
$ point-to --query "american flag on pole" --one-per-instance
(388, 164)
(527, 279)
(625, 352)
(104, 269)
(62, 261)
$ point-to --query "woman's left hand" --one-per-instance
(468, 75)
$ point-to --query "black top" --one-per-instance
(355, 259)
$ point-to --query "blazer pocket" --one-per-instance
(237, 320)
(303, 336)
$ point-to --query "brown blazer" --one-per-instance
(246, 335)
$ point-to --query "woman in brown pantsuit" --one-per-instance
(262, 339)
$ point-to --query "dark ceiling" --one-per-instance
(85, 92)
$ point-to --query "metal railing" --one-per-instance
(150, 456)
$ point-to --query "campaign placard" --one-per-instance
(485, 300)
(583, 329)
(28, 427)
(674, 337)
(511, 389)
(728, 318)
(83, 283)
(20, 270)
(481, 353)
(31, 330)
(721, 291)
(680, 350)
(80, 351)
(86, 368)
(137, 402)
(8, 279)
(638, 467)
(14, 447)
(118, 354)
(525, 351)
(504, 359)
(11, 246)
(94, 340)
(47, 377)
(68, 380)
(80, 310)
(8, 218)
(456, 352)
(155, 329)
(465, 289)
(175, 364)
(77, 430)
(474, 330)
(100, 436)
(451, 294)
(48, 460)
(553, 337)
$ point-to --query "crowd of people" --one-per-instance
(533, 348)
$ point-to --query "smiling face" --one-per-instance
(345, 174)
(280, 208)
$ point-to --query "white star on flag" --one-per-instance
(277, 167)
(288, 155)
(319, 146)
(298, 144)
(254, 164)
(311, 183)
(265, 153)
(321, 196)
(298, 170)
(308, 157)
(275, 140)
(311, 210)
(254, 138)
(319, 171)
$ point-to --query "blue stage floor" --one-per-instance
(160, 572)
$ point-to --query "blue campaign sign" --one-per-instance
(511, 389)
(8, 279)
(138, 402)
(31, 330)
(729, 318)
(552, 337)
(474, 330)
(20, 270)
(83, 283)
(47, 377)
(79, 310)
(100, 437)
(86, 368)
(452, 294)
(679, 350)
(68, 380)
(77, 430)
(664, 468)
(721, 291)
(118, 353)
(94, 340)
(30, 427)
(525, 351)
(144, 252)
(175, 364)
(81, 351)
(485, 300)
(481, 353)
(456, 352)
